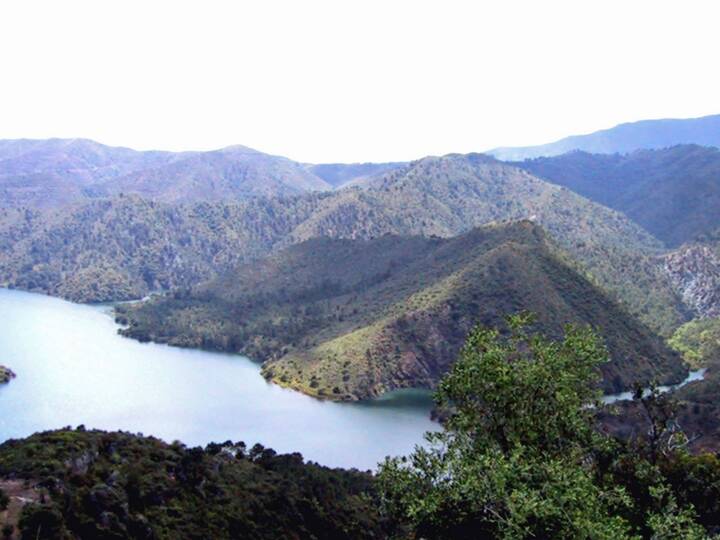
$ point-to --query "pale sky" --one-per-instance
(351, 80)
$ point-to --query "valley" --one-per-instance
(326, 310)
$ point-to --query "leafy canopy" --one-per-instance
(520, 456)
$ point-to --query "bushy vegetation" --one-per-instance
(699, 342)
(348, 319)
(520, 456)
(116, 485)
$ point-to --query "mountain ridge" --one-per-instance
(351, 319)
(625, 137)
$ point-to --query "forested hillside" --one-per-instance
(92, 484)
(126, 247)
(349, 319)
(673, 193)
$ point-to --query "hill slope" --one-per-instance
(349, 319)
(673, 193)
(694, 269)
(435, 196)
(447, 195)
(625, 138)
(58, 172)
(233, 173)
(94, 484)
(340, 174)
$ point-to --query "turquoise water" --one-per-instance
(73, 368)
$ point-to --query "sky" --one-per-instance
(347, 81)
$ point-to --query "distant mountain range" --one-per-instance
(673, 193)
(58, 172)
(350, 319)
(624, 138)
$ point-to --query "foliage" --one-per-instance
(117, 485)
(698, 341)
(520, 457)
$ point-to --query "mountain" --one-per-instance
(351, 319)
(673, 193)
(57, 172)
(132, 246)
(340, 174)
(694, 270)
(232, 173)
(123, 248)
(94, 484)
(625, 138)
(447, 195)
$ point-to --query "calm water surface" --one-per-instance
(72, 368)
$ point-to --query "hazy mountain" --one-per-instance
(128, 246)
(57, 172)
(673, 193)
(340, 174)
(232, 173)
(625, 138)
(349, 319)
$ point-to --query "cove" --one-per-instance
(73, 368)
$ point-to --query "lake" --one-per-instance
(73, 368)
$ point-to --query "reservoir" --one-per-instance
(73, 368)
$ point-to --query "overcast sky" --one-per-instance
(351, 80)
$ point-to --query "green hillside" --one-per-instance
(343, 319)
(93, 484)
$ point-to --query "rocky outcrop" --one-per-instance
(695, 272)
(6, 374)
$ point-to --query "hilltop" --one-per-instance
(625, 138)
(673, 193)
(351, 319)
(94, 484)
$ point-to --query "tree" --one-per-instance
(515, 458)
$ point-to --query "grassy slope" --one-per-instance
(351, 319)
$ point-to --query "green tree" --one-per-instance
(515, 457)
